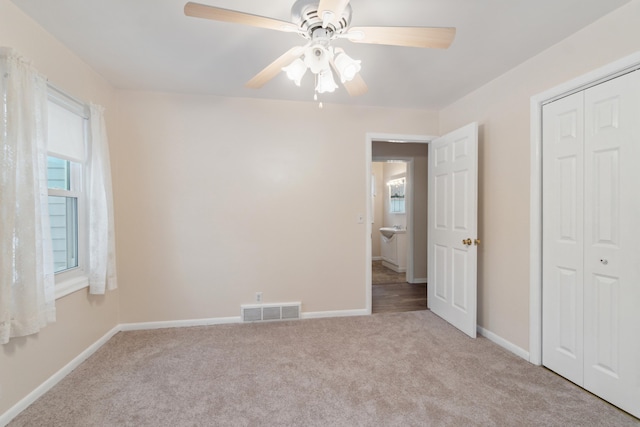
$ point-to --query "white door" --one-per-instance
(591, 240)
(612, 241)
(563, 219)
(453, 225)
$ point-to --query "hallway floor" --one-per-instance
(391, 293)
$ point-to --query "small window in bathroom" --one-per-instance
(396, 195)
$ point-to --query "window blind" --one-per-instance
(65, 133)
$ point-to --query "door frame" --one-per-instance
(393, 138)
(610, 71)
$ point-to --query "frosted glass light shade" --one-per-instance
(347, 67)
(317, 59)
(326, 82)
(295, 71)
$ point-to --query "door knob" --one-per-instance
(476, 242)
(467, 242)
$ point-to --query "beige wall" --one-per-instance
(221, 198)
(419, 153)
(81, 320)
(502, 110)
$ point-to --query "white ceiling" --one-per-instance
(151, 45)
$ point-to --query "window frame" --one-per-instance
(400, 202)
(75, 278)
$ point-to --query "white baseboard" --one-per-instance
(55, 378)
(394, 267)
(226, 320)
(496, 339)
(336, 313)
(376, 258)
(178, 323)
(419, 280)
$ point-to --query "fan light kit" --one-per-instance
(321, 22)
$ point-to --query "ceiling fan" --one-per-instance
(320, 22)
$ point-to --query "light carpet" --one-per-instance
(396, 369)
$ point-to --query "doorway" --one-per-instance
(397, 287)
(392, 284)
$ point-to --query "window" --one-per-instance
(396, 195)
(63, 177)
(67, 129)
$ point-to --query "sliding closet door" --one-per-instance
(612, 241)
(563, 242)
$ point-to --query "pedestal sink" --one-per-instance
(389, 232)
(393, 248)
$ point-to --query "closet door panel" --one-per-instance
(612, 241)
(562, 252)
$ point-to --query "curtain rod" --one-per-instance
(61, 96)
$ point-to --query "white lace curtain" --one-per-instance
(27, 296)
(102, 248)
(27, 280)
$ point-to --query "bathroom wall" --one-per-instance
(393, 171)
(378, 208)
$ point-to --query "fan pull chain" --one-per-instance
(315, 95)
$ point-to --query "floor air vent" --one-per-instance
(264, 312)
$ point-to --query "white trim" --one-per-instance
(507, 345)
(615, 69)
(419, 281)
(71, 285)
(535, 245)
(376, 258)
(399, 138)
(370, 137)
(54, 379)
(144, 326)
(335, 313)
(71, 103)
(368, 236)
(391, 266)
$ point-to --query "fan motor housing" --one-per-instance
(304, 13)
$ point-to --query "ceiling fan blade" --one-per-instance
(334, 7)
(198, 10)
(357, 86)
(272, 70)
(429, 37)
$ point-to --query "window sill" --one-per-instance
(70, 286)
